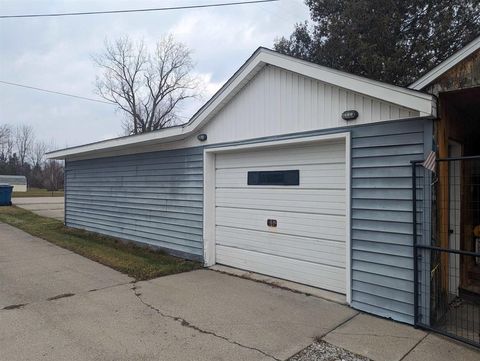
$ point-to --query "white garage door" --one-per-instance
(282, 212)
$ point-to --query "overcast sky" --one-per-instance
(55, 53)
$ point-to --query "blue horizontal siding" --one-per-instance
(157, 199)
(382, 237)
(150, 198)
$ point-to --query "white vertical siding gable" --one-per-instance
(277, 101)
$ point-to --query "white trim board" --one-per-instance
(446, 65)
(417, 101)
(209, 194)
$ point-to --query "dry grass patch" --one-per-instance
(137, 262)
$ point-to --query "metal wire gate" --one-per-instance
(446, 249)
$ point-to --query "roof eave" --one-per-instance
(421, 102)
(250, 67)
(446, 65)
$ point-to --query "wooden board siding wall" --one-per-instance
(382, 237)
(465, 74)
(152, 198)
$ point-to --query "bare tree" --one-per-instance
(53, 175)
(37, 154)
(6, 143)
(21, 154)
(24, 139)
(4, 132)
(148, 86)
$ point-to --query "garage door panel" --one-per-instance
(313, 154)
(317, 275)
(312, 250)
(287, 200)
(287, 206)
(325, 176)
(300, 224)
(284, 193)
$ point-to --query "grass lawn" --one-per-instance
(137, 262)
(38, 192)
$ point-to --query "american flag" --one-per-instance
(429, 162)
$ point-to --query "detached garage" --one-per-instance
(292, 170)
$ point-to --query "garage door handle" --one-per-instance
(271, 222)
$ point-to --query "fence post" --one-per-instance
(415, 250)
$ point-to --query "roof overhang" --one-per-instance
(423, 103)
(446, 65)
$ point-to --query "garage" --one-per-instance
(291, 170)
(281, 211)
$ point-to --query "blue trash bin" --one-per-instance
(5, 195)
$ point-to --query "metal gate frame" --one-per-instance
(424, 250)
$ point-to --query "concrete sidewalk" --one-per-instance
(56, 305)
(53, 207)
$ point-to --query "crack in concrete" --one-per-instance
(273, 284)
(111, 286)
(321, 337)
(414, 347)
(185, 323)
(63, 295)
(14, 307)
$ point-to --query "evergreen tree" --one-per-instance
(395, 41)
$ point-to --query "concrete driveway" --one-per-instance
(53, 207)
(56, 305)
